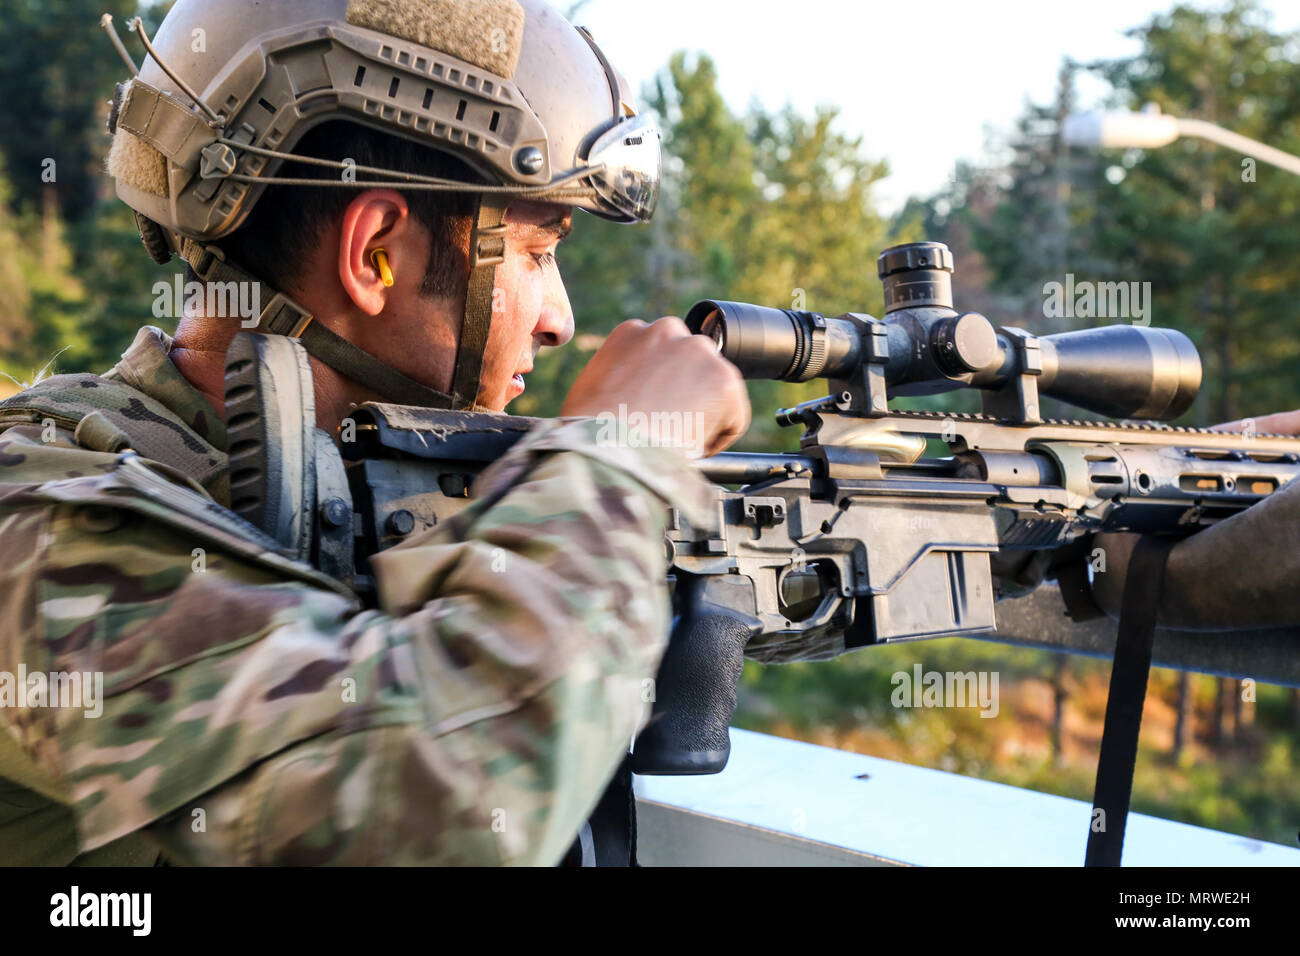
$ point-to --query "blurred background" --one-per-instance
(802, 140)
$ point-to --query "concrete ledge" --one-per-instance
(786, 803)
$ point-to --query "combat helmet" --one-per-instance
(228, 87)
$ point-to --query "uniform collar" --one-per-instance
(147, 366)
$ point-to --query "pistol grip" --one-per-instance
(695, 693)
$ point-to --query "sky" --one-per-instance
(924, 83)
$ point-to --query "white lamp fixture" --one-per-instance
(1151, 129)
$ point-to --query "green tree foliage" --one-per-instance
(41, 300)
(1213, 234)
(72, 294)
(1208, 229)
(57, 73)
(75, 283)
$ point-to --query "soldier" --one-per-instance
(251, 712)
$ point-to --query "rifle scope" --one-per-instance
(1122, 371)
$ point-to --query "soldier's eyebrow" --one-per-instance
(559, 227)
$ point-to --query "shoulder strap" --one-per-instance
(155, 431)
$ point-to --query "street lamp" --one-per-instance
(1151, 129)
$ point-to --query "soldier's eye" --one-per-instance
(543, 259)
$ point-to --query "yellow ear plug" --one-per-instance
(379, 259)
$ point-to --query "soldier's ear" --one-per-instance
(378, 218)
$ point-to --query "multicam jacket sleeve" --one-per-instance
(249, 716)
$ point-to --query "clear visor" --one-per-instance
(631, 160)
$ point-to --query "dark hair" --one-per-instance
(269, 242)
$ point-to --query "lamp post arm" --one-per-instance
(1241, 144)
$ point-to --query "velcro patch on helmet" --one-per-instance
(486, 33)
(133, 161)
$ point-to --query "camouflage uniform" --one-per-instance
(473, 718)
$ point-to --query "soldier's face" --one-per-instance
(417, 334)
(531, 308)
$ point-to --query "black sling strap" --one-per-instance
(608, 838)
(1128, 691)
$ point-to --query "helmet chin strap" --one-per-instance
(487, 249)
(283, 316)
